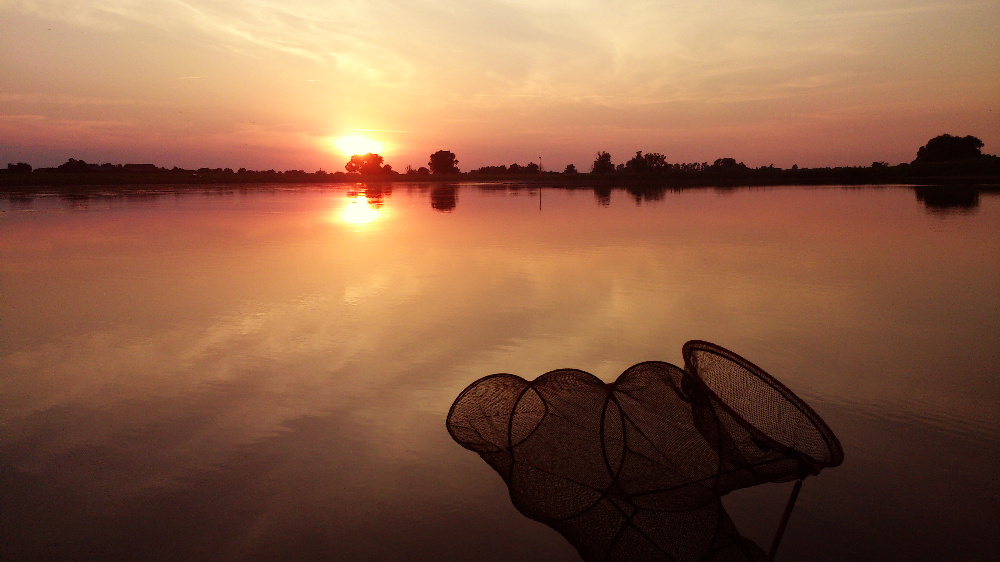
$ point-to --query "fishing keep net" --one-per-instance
(635, 469)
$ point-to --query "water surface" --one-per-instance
(262, 373)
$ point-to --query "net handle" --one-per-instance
(784, 520)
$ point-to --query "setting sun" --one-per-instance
(357, 144)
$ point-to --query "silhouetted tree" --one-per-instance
(570, 169)
(491, 170)
(637, 164)
(20, 168)
(943, 148)
(728, 165)
(443, 162)
(656, 161)
(647, 163)
(602, 164)
(421, 171)
(74, 165)
(365, 164)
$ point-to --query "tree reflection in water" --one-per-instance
(444, 197)
(365, 204)
(948, 198)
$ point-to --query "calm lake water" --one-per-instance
(265, 373)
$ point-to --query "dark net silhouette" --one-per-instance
(636, 469)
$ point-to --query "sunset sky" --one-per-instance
(274, 84)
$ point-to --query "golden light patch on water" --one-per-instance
(358, 211)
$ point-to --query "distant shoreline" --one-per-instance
(981, 173)
(945, 159)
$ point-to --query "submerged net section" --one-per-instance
(635, 469)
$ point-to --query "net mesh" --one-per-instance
(635, 469)
(762, 418)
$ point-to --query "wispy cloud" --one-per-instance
(515, 46)
(458, 67)
(11, 99)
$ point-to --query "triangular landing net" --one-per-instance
(635, 469)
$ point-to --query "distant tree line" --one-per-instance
(959, 153)
(514, 169)
(943, 156)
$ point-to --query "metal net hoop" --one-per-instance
(761, 405)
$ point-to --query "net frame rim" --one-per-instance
(468, 389)
(829, 437)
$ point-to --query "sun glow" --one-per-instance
(358, 211)
(357, 144)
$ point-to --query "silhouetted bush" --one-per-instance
(944, 148)
(650, 163)
(74, 165)
(602, 164)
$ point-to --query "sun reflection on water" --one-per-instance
(359, 211)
